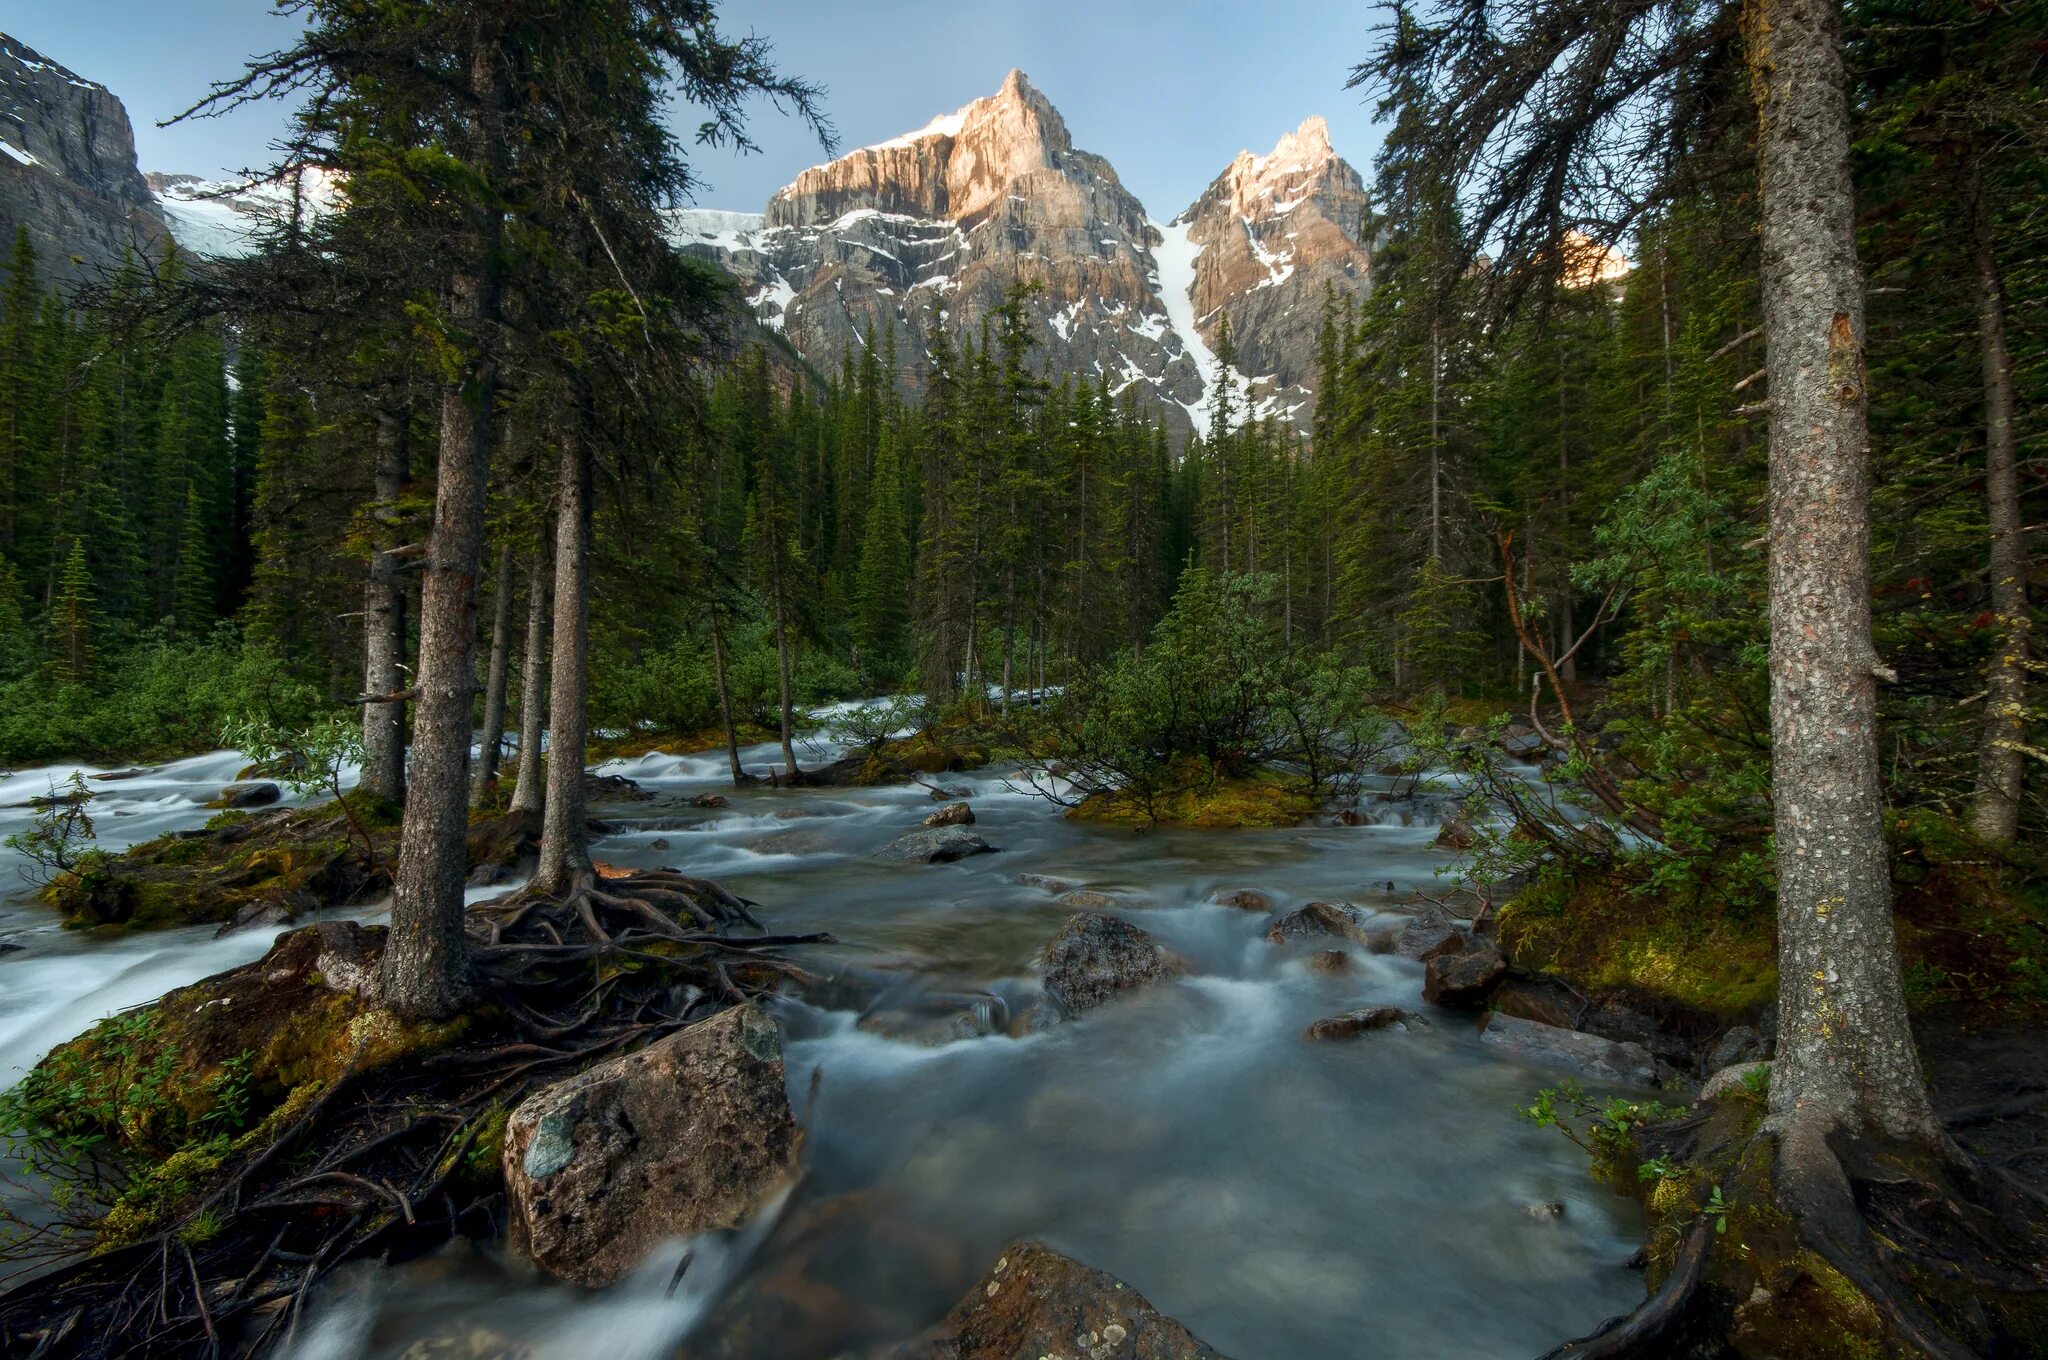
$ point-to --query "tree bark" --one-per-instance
(784, 702)
(1845, 1059)
(485, 776)
(732, 736)
(564, 855)
(2001, 765)
(529, 791)
(384, 599)
(424, 974)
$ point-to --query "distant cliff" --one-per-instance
(67, 169)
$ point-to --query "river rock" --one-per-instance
(945, 795)
(1047, 882)
(687, 1135)
(1320, 920)
(1465, 976)
(1087, 899)
(1741, 1044)
(1351, 1024)
(1425, 933)
(1246, 899)
(1036, 1303)
(1456, 834)
(935, 845)
(243, 796)
(1095, 957)
(1329, 961)
(1602, 1060)
(952, 814)
(1732, 1080)
(281, 910)
(1545, 1000)
(711, 800)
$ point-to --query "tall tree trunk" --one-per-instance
(2000, 762)
(384, 599)
(564, 856)
(1846, 1062)
(426, 954)
(1569, 630)
(732, 736)
(784, 701)
(529, 788)
(485, 776)
(424, 974)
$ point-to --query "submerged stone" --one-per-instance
(1603, 1060)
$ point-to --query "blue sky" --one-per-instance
(1169, 92)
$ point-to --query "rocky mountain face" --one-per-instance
(925, 230)
(1273, 235)
(67, 169)
(931, 228)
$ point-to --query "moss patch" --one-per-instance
(285, 863)
(1676, 951)
(1265, 799)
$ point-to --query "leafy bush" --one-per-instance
(159, 696)
(1217, 695)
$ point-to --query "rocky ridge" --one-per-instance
(931, 228)
(67, 169)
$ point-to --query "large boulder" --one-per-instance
(1606, 1061)
(1095, 957)
(1036, 1303)
(935, 845)
(687, 1135)
(1320, 921)
(1464, 976)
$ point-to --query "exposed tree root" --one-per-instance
(1648, 1332)
(395, 1161)
(1803, 1241)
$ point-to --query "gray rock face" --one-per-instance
(67, 170)
(931, 228)
(1096, 957)
(1037, 1303)
(1601, 1060)
(935, 845)
(690, 1134)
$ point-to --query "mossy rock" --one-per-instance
(1264, 799)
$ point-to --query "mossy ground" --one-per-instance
(1263, 799)
(673, 742)
(1973, 929)
(294, 860)
(163, 1097)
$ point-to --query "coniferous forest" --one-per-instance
(634, 726)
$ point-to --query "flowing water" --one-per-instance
(1286, 1200)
